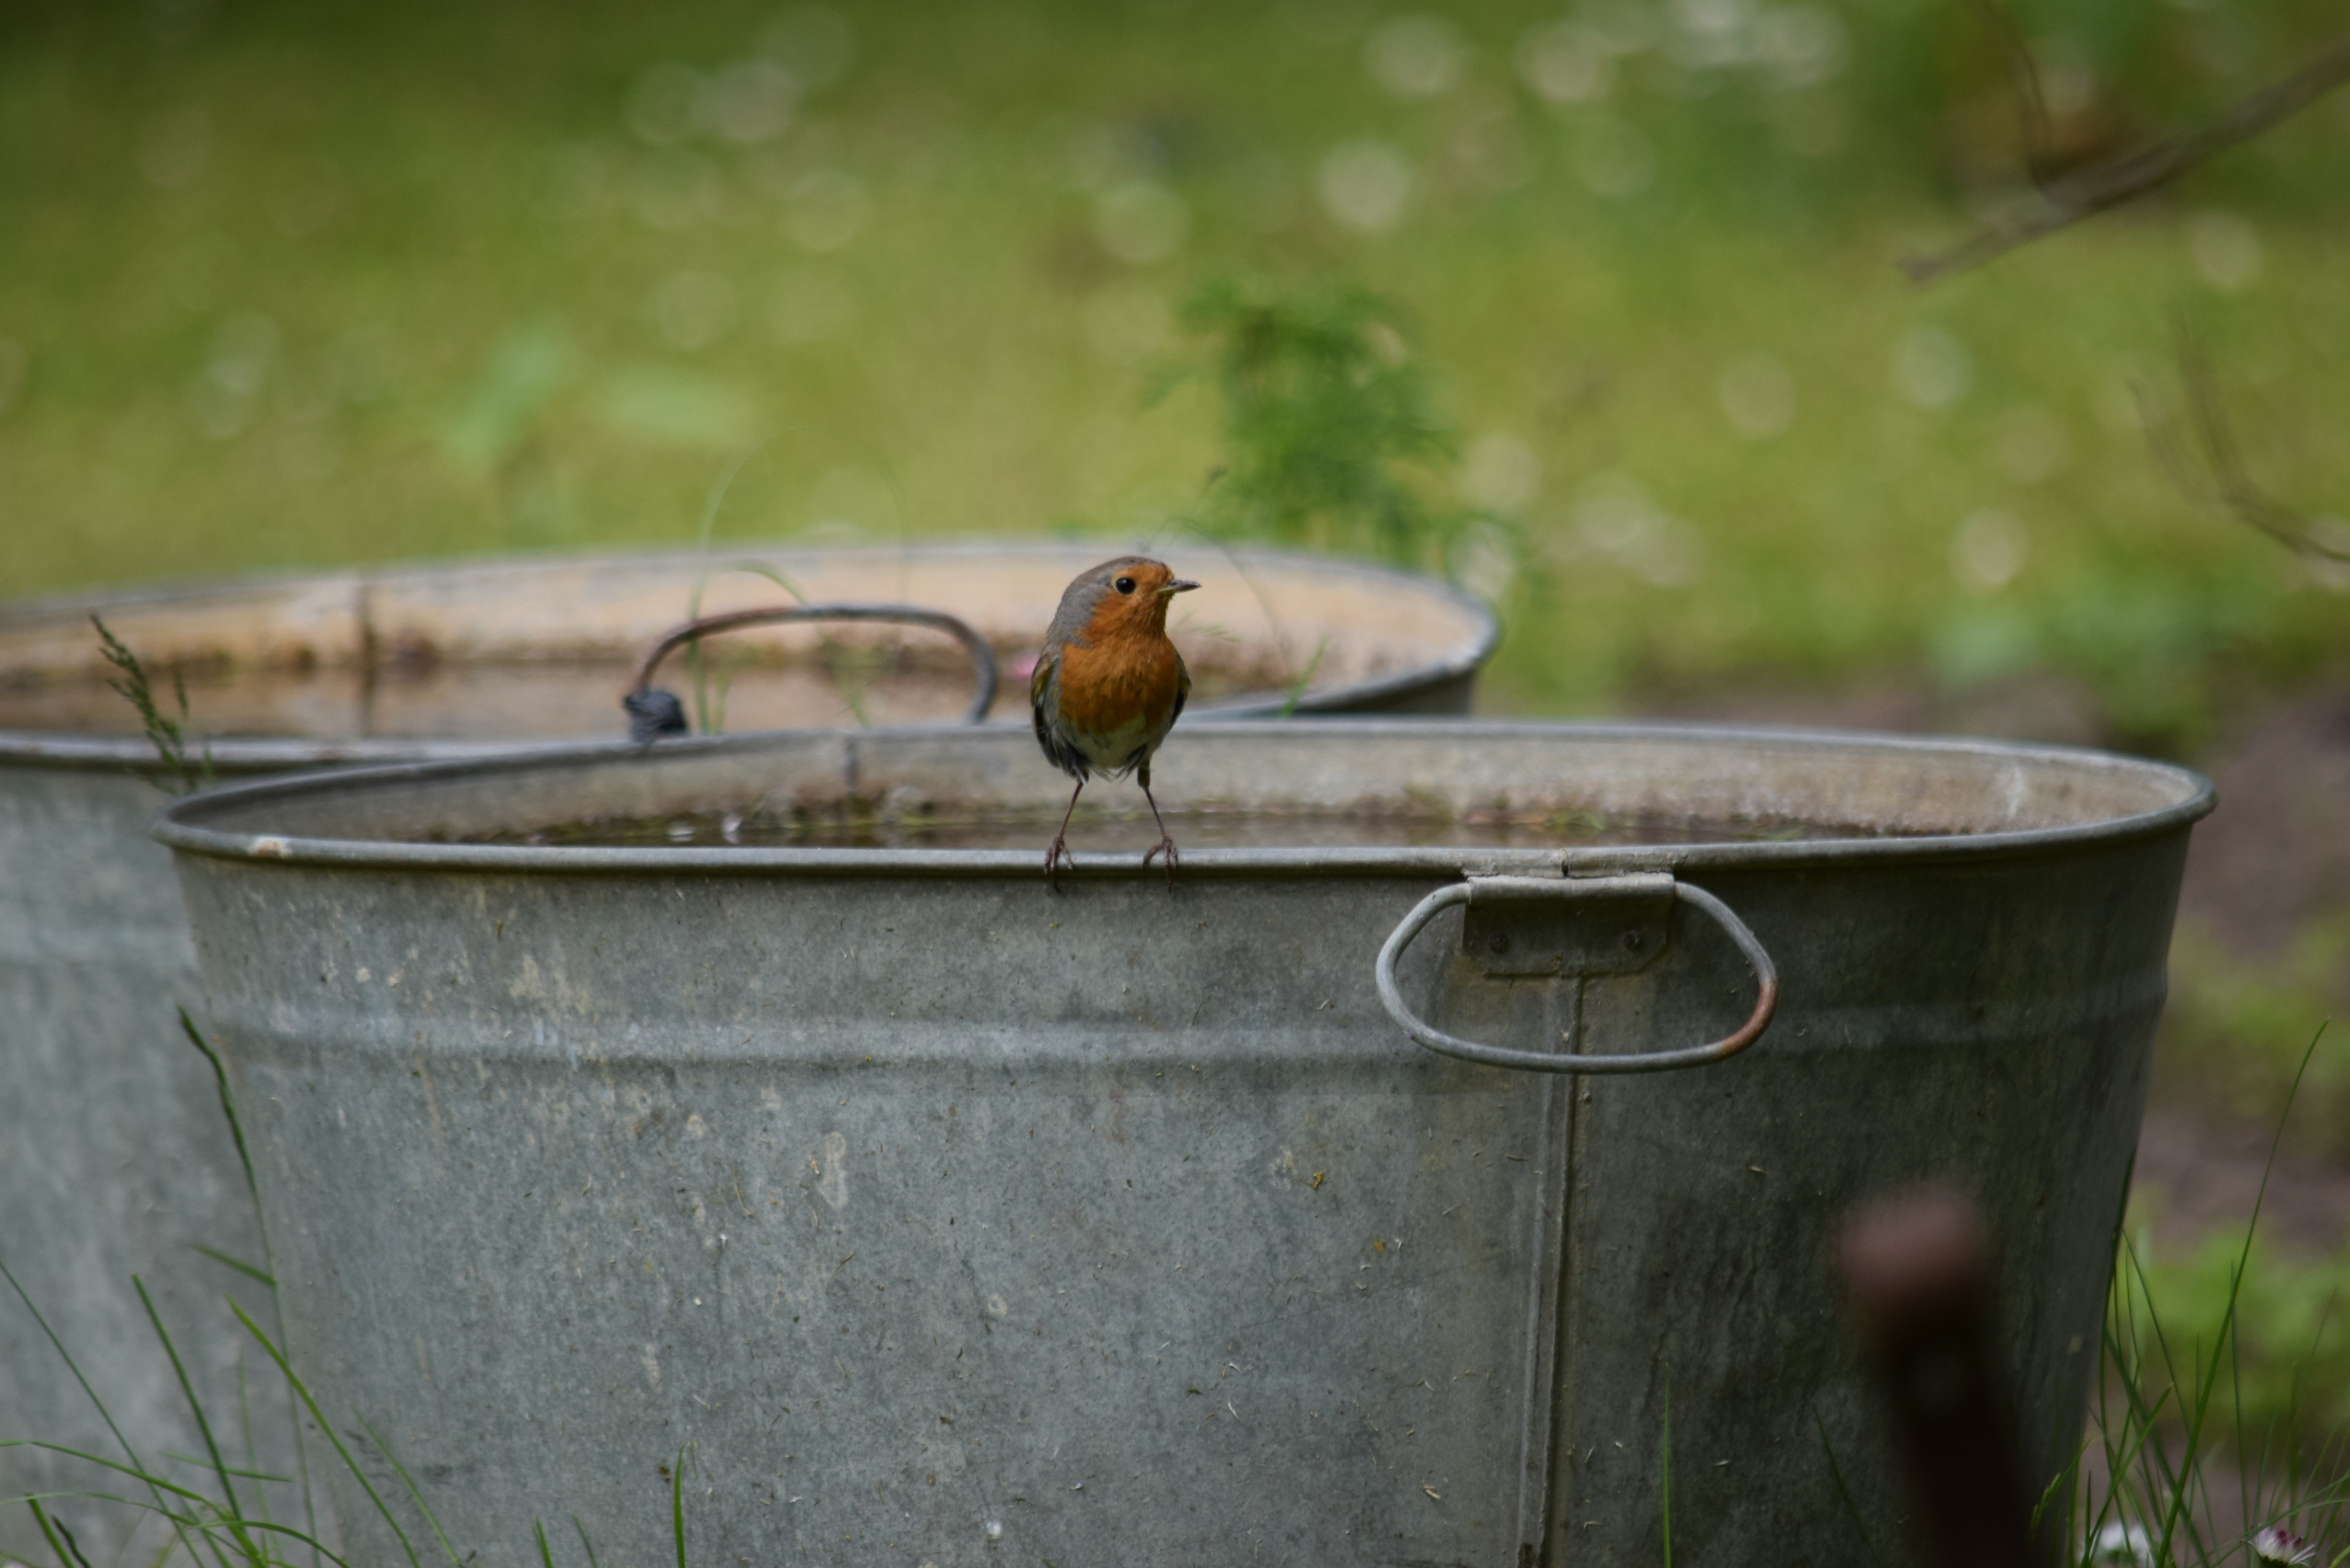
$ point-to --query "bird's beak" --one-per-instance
(1180, 586)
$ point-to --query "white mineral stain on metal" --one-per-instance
(696, 1127)
(834, 1183)
(544, 1037)
(267, 844)
(998, 1307)
(653, 1368)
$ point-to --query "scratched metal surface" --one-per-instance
(114, 1158)
(945, 1219)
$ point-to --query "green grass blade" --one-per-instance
(545, 1557)
(239, 1264)
(761, 569)
(145, 1476)
(1257, 590)
(2063, 1479)
(69, 1551)
(414, 1490)
(288, 1530)
(204, 1425)
(251, 1450)
(2125, 1450)
(184, 1526)
(238, 1471)
(138, 1466)
(717, 496)
(1844, 1491)
(1666, 1468)
(1305, 678)
(585, 1544)
(303, 1391)
(699, 673)
(277, 1310)
(196, 1496)
(2246, 1474)
(677, 1506)
(228, 1105)
(169, 740)
(694, 667)
(2209, 1375)
(72, 1365)
(202, 774)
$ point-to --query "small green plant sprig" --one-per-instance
(181, 774)
(1325, 409)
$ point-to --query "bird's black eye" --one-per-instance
(1125, 585)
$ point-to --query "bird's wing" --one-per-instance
(1182, 690)
(1045, 714)
(1040, 684)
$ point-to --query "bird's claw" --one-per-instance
(1166, 848)
(1054, 858)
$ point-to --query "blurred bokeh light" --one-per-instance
(308, 283)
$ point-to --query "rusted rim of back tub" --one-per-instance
(240, 758)
(237, 756)
(182, 824)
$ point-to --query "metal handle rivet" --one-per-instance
(1632, 941)
(1498, 942)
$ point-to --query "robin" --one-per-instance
(1110, 685)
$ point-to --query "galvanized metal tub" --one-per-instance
(942, 1216)
(114, 1156)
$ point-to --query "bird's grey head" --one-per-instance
(1084, 592)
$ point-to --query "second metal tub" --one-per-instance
(114, 1156)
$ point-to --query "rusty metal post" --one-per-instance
(1918, 1271)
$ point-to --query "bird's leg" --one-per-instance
(1166, 843)
(1060, 849)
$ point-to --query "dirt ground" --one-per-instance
(2274, 856)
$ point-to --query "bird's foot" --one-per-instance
(1055, 857)
(1166, 848)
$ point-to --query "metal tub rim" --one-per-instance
(181, 825)
(245, 754)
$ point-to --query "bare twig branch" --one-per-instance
(2230, 485)
(2031, 104)
(2067, 201)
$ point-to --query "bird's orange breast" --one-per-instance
(1119, 681)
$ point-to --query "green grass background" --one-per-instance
(292, 284)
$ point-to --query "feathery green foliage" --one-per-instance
(1326, 414)
(181, 774)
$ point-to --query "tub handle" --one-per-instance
(653, 712)
(1646, 886)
